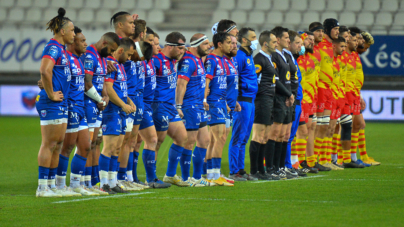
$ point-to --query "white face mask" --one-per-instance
(254, 45)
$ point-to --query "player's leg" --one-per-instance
(96, 151)
(218, 131)
(248, 113)
(257, 151)
(199, 154)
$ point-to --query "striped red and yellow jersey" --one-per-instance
(326, 64)
(351, 74)
(336, 77)
(310, 79)
(343, 61)
(316, 58)
(359, 73)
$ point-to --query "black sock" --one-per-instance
(254, 151)
(283, 155)
(269, 154)
(261, 155)
(277, 155)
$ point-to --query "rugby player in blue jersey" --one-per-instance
(215, 103)
(114, 116)
(51, 102)
(189, 103)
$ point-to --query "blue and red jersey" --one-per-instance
(61, 74)
(191, 69)
(118, 78)
(141, 71)
(132, 76)
(150, 82)
(76, 92)
(96, 66)
(215, 68)
(166, 79)
(232, 82)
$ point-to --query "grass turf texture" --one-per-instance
(372, 196)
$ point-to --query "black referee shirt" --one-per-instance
(268, 75)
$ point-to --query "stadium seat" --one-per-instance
(219, 15)
(371, 5)
(227, 4)
(328, 14)
(103, 16)
(239, 15)
(85, 16)
(378, 32)
(75, 4)
(309, 17)
(256, 17)
(33, 15)
(162, 4)
(355, 5)
(24, 3)
(298, 5)
(275, 18)
(399, 19)
(317, 5)
(402, 5)
(144, 5)
(335, 5)
(3, 14)
(6, 3)
(262, 5)
(293, 18)
(155, 16)
(93, 4)
(70, 13)
(128, 4)
(384, 19)
(365, 19)
(40, 3)
(58, 3)
(347, 18)
(245, 4)
(281, 5)
(107, 4)
(396, 32)
(389, 5)
(16, 15)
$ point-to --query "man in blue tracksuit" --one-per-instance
(248, 87)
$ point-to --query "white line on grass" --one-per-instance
(300, 178)
(359, 180)
(103, 197)
(232, 200)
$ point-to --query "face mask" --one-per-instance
(104, 52)
(254, 45)
(302, 50)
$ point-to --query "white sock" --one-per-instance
(82, 180)
(103, 178)
(42, 184)
(294, 159)
(87, 182)
(216, 174)
(60, 181)
(129, 176)
(353, 157)
(334, 157)
(75, 180)
(51, 183)
(111, 179)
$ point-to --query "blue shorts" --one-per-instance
(75, 119)
(138, 115)
(93, 114)
(51, 113)
(217, 113)
(114, 123)
(147, 119)
(163, 114)
(229, 119)
(193, 117)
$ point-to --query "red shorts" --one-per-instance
(346, 109)
(336, 112)
(304, 116)
(325, 100)
(357, 106)
(313, 108)
(350, 98)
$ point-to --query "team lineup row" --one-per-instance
(124, 90)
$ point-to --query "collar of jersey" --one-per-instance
(290, 53)
(268, 56)
(245, 51)
(95, 50)
(57, 43)
(281, 54)
(110, 58)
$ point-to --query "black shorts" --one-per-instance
(290, 117)
(280, 109)
(263, 111)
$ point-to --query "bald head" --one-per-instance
(196, 36)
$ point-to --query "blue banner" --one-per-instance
(385, 57)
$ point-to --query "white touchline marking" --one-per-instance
(232, 200)
(360, 180)
(103, 197)
(300, 178)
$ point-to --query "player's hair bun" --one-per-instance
(61, 12)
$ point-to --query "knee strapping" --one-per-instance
(346, 131)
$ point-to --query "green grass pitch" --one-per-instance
(372, 196)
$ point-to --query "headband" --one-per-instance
(231, 28)
(317, 28)
(198, 41)
(175, 44)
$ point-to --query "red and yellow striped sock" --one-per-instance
(311, 160)
(301, 149)
(293, 152)
(323, 151)
(318, 142)
(329, 149)
(339, 148)
(362, 145)
(347, 156)
(354, 143)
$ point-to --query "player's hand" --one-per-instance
(110, 67)
(135, 16)
(133, 107)
(101, 106)
(228, 109)
(363, 104)
(40, 85)
(127, 108)
(238, 107)
(180, 113)
(292, 99)
(288, 103)
(57, 96)
(206, 106)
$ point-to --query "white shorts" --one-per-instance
(54, 122)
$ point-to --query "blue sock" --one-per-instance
(216, 163)
(95, 178)
(104, 163)
(43, 173)
(185, 163)
(148, 157)
(209, 164)
(52, 173)
(113, 163)
(174, 154)
(135, 160)
(88, 171)
(197, 160)
(63, 164)
(205, 168)
(117, 166)
(129, 167)
(78, 164)
(121, 174)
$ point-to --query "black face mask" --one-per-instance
(104, 52)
